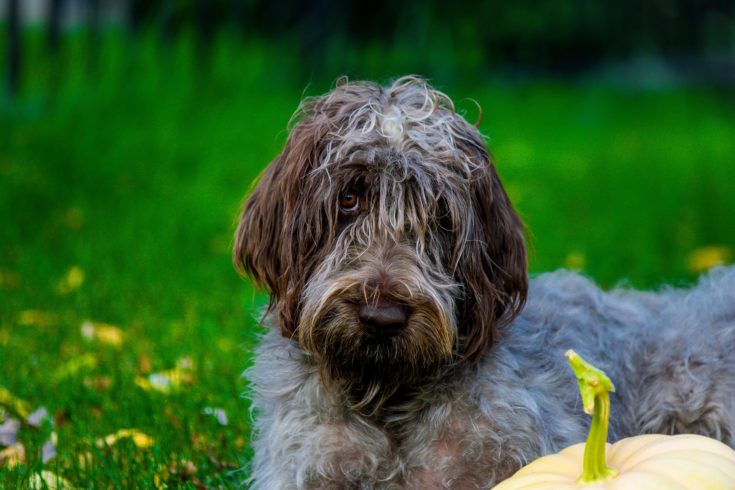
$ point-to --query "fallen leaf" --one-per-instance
(168, 381)
(225, 345)
(84, 460)
(36, 318)
(38, 417)
(140, 439)
(217, 413)
(98, 383)
(9, 432)
(704, 258)
(172, 417)
(575, 261)
(145, 365)
(183, 467)
(73, 366)
(61, 418)
(72, 280)
(13, 456)
(48, 451)
(185, 363)
(48, 481)
(103, 333)
(14, 404)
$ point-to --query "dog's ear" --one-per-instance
(267, 241)
(493, 267)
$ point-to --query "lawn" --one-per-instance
(120, 187)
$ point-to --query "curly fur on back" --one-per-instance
(464, 384)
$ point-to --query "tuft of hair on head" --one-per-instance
(289, 224)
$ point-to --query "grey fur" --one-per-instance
(467, 390)
(670, 354)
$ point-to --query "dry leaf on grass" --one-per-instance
(48, 481)
(217, 413)
(170, 380)
(48, 451)
(139, 438)
(704, 258)
(13, 456)
(103, 333)
(72, 367)
(9, 432)
(72, 280)
(17, 406)
(97, 383)
(37, 318)
(38, 417)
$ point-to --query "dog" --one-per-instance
(406, 345)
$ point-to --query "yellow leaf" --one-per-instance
(36, 318)
(84, 460)
(98, 383)
(73, 366)
(168, 381)
(103, 333)
(49, 481)
(575, 261)
(14, 404)
(13, 456)
(140, 439)
(225, 345)
(704, 258)
(72, 280)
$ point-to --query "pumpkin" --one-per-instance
(644, 462)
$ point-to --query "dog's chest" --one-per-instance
(458, 448)
(450, 443)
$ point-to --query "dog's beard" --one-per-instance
(371, 367)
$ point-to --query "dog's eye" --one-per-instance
(349, 201)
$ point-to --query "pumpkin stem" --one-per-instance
(594, 386)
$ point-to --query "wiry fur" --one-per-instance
(467, 392)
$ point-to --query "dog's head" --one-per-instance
(384, 237)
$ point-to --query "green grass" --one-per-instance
(134, 174)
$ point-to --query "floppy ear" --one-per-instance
(493, 266)
(268, 241)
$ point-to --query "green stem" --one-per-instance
(594, 386)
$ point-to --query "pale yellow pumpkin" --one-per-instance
(647, 462)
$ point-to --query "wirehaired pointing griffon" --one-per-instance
(407, 347)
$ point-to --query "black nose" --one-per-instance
(383, 318)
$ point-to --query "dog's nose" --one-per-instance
(383, 318)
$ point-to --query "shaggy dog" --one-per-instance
(400, 352)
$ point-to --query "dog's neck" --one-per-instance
(400, 403)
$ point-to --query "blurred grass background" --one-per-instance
(125, 152)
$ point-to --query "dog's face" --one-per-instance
(384, 237)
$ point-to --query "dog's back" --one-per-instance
(670, 354)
